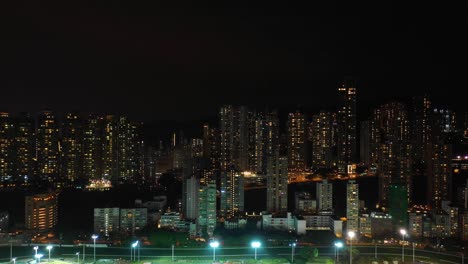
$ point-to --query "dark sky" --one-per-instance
(158, 62)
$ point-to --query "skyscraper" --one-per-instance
(365, 142)
(391, 148)
(321, 137)
(24, 147)
(421, 129)
(191, 198)
(346, 121)
(93, 148)
(127, 159)
(7, 140)
(277, 184)
(47, 147)
(207, 209)
(297, 142)
(352, 206)
(439, 173)
(264, 140)
(234, 137)
(71, 148)
(232, 193)
(325, 197)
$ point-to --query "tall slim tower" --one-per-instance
(321, 137)
(232, 193)
(93, 148)
(277, 184)
(352, 206)
(71, 146)
(7, 159)
(439, 173)
(191, 198)
(391, 148)
(346, 126)
(325, 197)
(421, 129)
(47, 147)
(24, 147)
(297, 142)
(207, 209)
(234, 137)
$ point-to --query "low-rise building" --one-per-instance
(285, 223)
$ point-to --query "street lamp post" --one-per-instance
(214, 245)
(77, 257)
(403, 233)
(49, 247)
(94, 237)
(35, 248)
(375, 249)
(256, 245)
(39, 256)
(338, 245)
(14, 260)
(351, 235)
(413, 252)
(293, 245)
(172, 252)
(134, 245)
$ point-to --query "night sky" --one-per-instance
(156, 62)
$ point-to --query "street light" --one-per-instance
(338, 245)
(49, 247)
(351, 235)
(214, 245)
(14, 260)
(39, 256)
(35, 248)
(77, 256)
(256, 245)
(134, 245)
(293, 245)
(403, 233)
(94, 237)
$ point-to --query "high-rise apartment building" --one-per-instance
(346, 122)
(207, 209)
(297, 150)
(234, 138)
(93, 148)
(277, 184)
(324, 197)
(106, 220)
(232, 193)
(7, 140)
(41, 212)
(439, 173)
(352, 206)
(391, 149)
(133, 219)
(24, 147)
(321, 128)
(71, 148)
(190, 198)
(47, 146)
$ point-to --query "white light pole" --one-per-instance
(403, 233)
(39, 256)
(35, 248)
(14, 260)
(413, 252)
(94, 237)
(214, 245)
(351, 235)
(49, 247)
(293, 245)
(77, 257)
(172, 252)
(338, 245)
(134, 245)
(256, 245)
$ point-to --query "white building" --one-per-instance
(352, 206)
(207, 209)
(106, 220)
(288, 223)
(324, 222)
